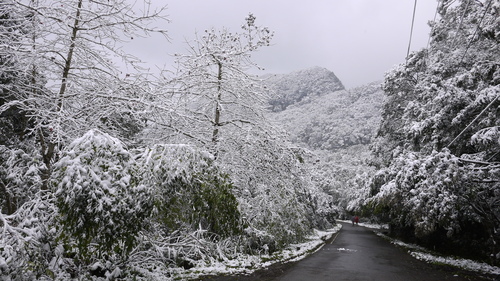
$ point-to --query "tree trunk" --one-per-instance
(10, 206)
(215, 136)
(69, 57)
(48, 145)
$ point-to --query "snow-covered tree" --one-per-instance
(270, 187)
(439, 142)
(59, 68)
(101, 200)
(219, 106)
(449, 90)
(70, 53)
(215, 89)
(20, 162)
(13, 121)
(423, 193)
(19, 176)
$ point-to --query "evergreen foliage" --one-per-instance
(190, 193)
(438, 142)
(205, 203)
(19, 176)
(101, 201)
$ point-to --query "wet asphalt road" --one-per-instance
(356, 253)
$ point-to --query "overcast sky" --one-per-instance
(359, 40)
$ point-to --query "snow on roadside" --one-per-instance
(374, 226)
(247, 264)
(421, 253)
(369, 225)
(461, 263)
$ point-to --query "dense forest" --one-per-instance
(110, 172)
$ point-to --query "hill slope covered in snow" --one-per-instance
(320, 114)
(300, 87)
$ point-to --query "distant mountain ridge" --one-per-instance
(300, 86)
(319, 114)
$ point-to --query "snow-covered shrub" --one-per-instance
(19, 176)
(271, 188)
(425, 193)
(102, 204)
(194, 207)
(276, 212)
(440, 201)
(26, 213)
(190, 192)
(206, 202)
(28, 247)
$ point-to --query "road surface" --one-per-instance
(356, 253)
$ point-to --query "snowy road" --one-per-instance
(356, 253)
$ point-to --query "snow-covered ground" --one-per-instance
(246, 264)
(425, 255)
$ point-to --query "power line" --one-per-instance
(472, 122)
(411, 30)
(475, 32)
(460, 24)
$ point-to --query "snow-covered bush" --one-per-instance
(271, 188)
(206, 203)
(194, 208)
(101, 202)
(425, 193)
(190, 192)
(26, 229)
(19, 176)
(439, 201)
(28, 247)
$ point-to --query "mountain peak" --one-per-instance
(313, 69)
(300, 86)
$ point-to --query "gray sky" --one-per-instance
(358, 40)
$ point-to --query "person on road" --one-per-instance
(356, 219)
(352, 220)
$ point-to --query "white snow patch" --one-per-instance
(461, 263)
(346, 250)
(369, 225)
(419, 252)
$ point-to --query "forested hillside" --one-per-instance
(332, 118)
